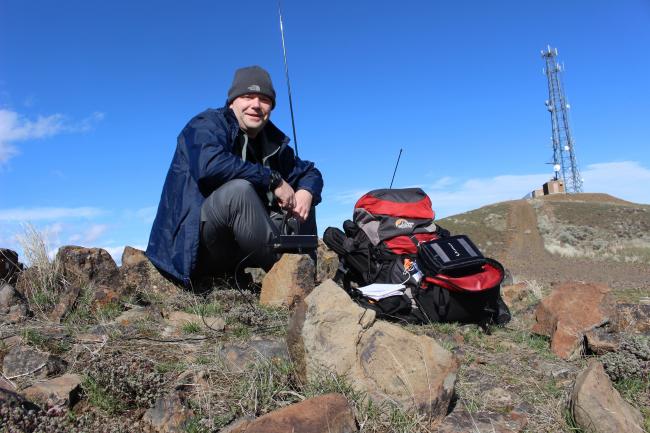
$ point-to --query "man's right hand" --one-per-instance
(285, 195)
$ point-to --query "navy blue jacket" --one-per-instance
(204, 161)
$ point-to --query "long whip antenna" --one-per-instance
(395, 171)
(286, 73)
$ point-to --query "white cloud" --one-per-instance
(48, 213)
(627, 180)
(14, 127)
(90, 235)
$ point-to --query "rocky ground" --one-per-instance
(86, 346)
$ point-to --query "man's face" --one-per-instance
(252, 111)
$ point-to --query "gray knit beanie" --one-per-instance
(251, 79)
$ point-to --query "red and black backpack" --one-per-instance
(392, 231)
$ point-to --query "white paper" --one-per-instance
(380, 291)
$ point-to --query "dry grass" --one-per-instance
(43, 281)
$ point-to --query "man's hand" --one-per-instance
(303, 204)
(286, 196)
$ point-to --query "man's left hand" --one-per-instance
(303, 199)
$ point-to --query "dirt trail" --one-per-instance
(527, 258)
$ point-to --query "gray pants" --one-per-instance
(235, 224)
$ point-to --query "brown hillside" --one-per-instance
(585, 237)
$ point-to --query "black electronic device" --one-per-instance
(288, 241)
(299, 244)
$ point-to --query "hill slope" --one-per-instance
(585, 237)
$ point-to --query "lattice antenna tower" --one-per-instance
(564, 157)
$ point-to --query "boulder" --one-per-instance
(329, 333)
(290, 279)
(598, 408)
(140, 275)
(82, 267)
(24, 361)
(327, 262)
(168, 415)
(60, 391)
(326, 413)
(9, 266)
(632, 318)
(569, 311)
(89, 265)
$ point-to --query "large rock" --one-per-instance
(82, 267)
(9, 265)
(598, 408)
(290, 280)
(88, 265)
(330, 333)
(327, 262)
(571, 310)
(329, 413)
(140, 275)
(24, 361)
(60, 391)
(632, 318)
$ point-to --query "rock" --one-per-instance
(60, 391)
(598, 408)
(290, 279)
(168, 415)
(600, 342)
(329, 413)
(327, 262)
(571, 310)
(140, 275)
(9, 266)
(517, 296)
(178, 319)
(239, 355)
(330, 333)
(89, 265)
(462, 421)
(82, 267)
(632, 318)
(23, 360)
(8, 297)
(12, 305)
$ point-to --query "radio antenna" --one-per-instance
(395, 171)
(286, 74)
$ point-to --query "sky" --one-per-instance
(93, 95)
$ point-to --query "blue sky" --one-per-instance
(93, 95)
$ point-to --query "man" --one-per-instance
(232, 177)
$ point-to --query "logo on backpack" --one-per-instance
(404, 224)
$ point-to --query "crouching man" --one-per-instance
(232, 177)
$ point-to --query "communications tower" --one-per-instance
(565, 166)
